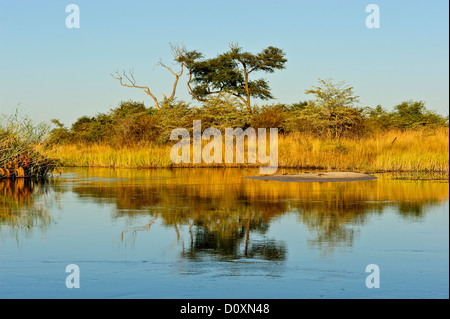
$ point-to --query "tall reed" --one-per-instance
(394, 151)
(21, 148)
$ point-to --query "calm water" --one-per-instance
(209, 233)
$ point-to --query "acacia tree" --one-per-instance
(128, 80)
(230, 73)
(334, 108)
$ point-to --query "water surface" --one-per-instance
(210, 233)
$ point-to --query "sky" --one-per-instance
(49, 71)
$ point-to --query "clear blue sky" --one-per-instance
(50, 71)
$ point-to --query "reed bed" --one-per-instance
(425, 150)
(22, 151)
(393, 151)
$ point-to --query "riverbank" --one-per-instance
(392, 151)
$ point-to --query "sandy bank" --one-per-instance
(316, 177)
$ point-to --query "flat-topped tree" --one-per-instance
(128, 80)
(230, 73)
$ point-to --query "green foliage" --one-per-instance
(333, 112)
(406, 115)
(222, 112)
(299, 106)
(128, 124)
(129, 108)
(411, 114)
(230, 73)
(60, 133)
(378, 119)
(172, 115)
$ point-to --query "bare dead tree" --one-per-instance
(128, 80)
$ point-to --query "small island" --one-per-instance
(316, 177)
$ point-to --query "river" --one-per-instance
(210, 233)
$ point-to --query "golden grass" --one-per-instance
(393, 151)
(95, 155)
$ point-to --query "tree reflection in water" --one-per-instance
(224, 212)
(227, 217)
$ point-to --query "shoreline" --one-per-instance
(283, 176)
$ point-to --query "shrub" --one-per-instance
(270, 116)
(222, 112)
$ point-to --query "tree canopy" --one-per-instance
(230, 72)
(333, 110)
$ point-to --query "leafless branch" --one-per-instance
(177, 77)
(132, 84)
(128, 80)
